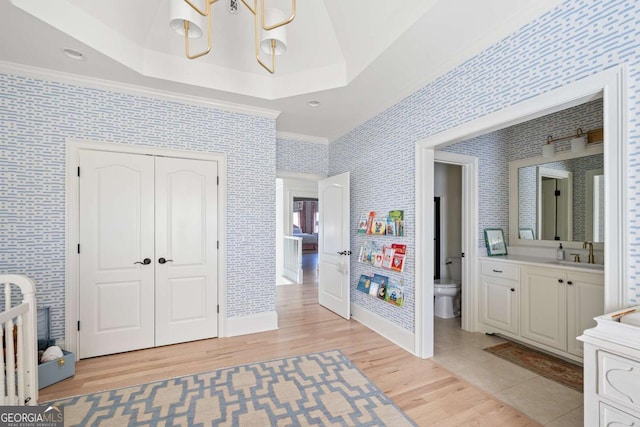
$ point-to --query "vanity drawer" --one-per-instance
(618, 379)
(499, 269)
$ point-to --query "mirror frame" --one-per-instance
(514, 238)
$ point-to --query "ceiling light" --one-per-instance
(187, 19)
(73, 54)
(313, 103)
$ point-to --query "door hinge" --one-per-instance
(462, 255)
(217, 180)
(218, 308)
(78, 326)
(217, 244)
(78, 170)
(557, 193)
(78, 247)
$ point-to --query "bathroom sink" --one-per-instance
(578, 264)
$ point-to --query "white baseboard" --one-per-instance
(244, 325)
(394, 333)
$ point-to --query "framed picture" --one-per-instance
(494, 239)
(526, 234)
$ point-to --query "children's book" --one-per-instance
(395, 292)
(373, 289)
(379, 226)
(377, 257)
(364, 284)
(367, 252)
(387, 256)
(370, 219)
(397, 263)
(397, 217)
(382, 288)
(362, 224)
(391, 227)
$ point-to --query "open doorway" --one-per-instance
(609, 85)
(297, 219)
(447, 268)
(305, 222)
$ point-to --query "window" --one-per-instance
(316, 222)
(296, 219)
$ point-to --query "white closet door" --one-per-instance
(186, 250)
(116, 235)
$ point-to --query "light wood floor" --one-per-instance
(428, 393)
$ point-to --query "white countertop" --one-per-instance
(547, 262)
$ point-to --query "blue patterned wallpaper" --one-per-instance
(37, 116)
(577, 39)
(302, 157)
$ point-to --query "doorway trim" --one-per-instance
(609, 84)
(72, 220)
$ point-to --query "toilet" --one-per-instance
(447, 291)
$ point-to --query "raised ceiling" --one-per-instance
(357, 57)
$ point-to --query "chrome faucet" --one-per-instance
(592, 258)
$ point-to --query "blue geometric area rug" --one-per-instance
(318, 389)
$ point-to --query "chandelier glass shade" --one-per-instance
(270, 33)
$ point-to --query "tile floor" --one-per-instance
(546, 401)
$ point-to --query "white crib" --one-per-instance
(18, 361)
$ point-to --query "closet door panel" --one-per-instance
(186, 238)
(116, 234)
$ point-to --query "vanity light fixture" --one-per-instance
(548, 150)
(578, 143)
(187, 20)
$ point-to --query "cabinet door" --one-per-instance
(543, 304)
(499, 301)
(585, 300)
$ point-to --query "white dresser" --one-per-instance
(611, 373)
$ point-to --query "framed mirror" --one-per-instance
(494, 239)
(557, 199)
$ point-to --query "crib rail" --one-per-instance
(18, 361)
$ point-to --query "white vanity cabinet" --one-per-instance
(544, 307)
(540, 304)
(557, 305)
(499, 286)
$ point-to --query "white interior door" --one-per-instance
(116, 235)
(334, 245)
(186, 250)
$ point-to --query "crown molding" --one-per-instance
(303, 138)
(94, 83)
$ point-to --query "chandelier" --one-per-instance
(186, 19)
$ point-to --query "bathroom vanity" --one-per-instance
(541, 302)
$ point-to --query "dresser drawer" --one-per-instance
(618, 379)
(610, 416)
(499, 269)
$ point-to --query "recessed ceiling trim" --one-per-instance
(304, 138)
(90, 82)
